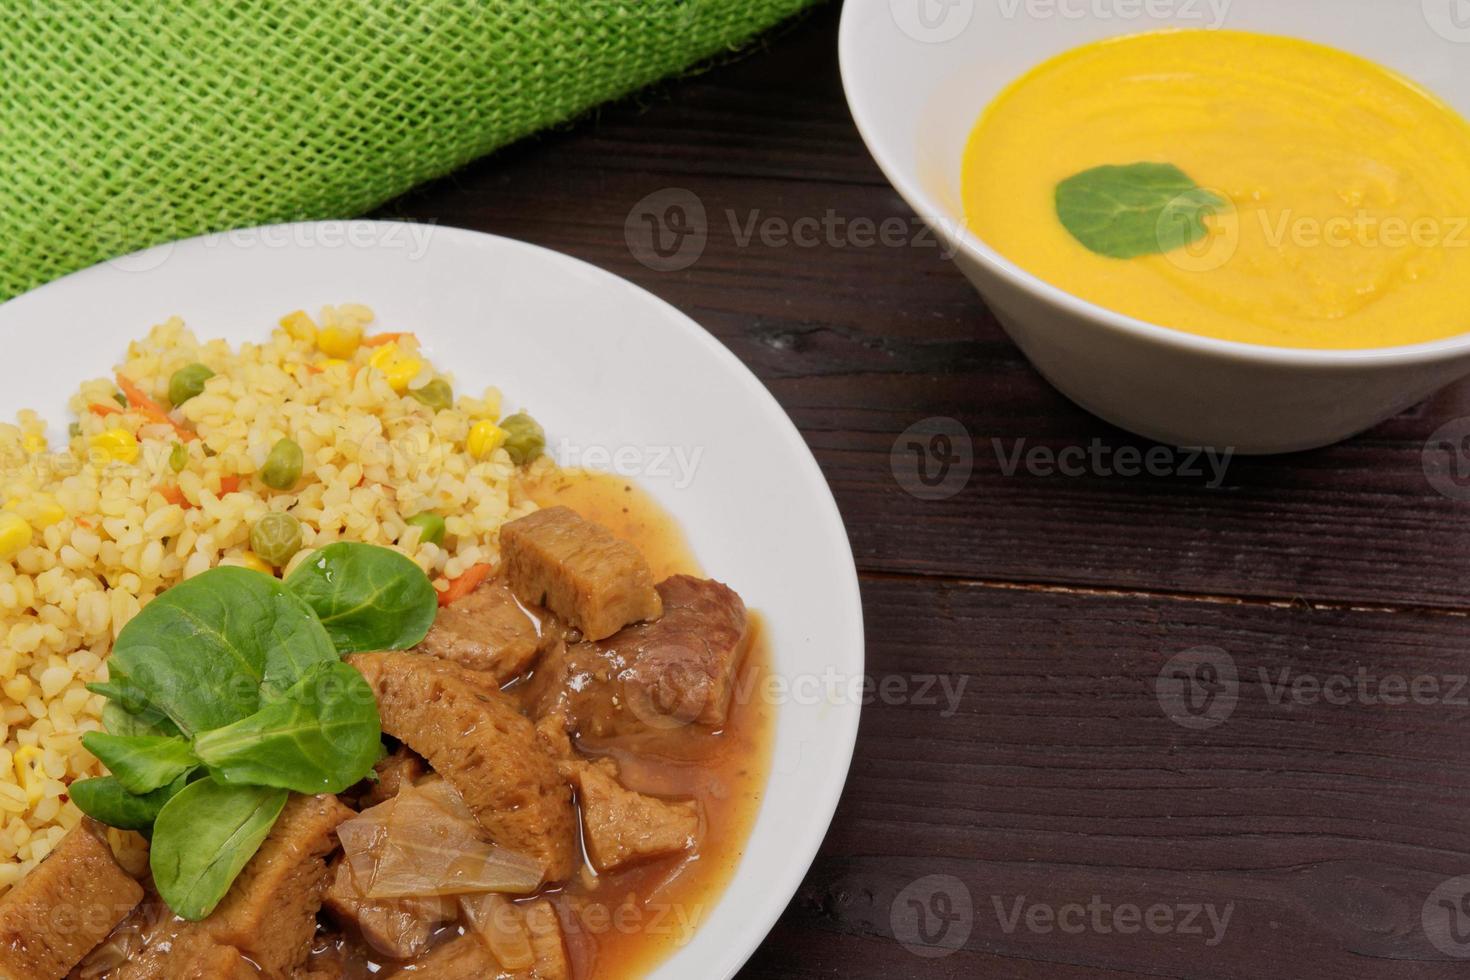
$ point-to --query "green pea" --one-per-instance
(120, 398)
(524, 438)
(282, 467)
(432, 524)
(74, 430)
(276, 537)
(187, 382)
(437, 394)
(178, 457)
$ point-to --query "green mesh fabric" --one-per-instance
(124, 123)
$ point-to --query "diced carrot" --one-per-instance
(314, 369)
(379, 339)
(468, 582)
(174, 495)
(102, 410)
(150, 409)
(83, 522)
(228, 484)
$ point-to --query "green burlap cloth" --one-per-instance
(128, 122)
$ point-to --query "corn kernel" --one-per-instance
(28, 772)
(33, 442)
(40, 509)
(334, 362)
(299, 326)
(15, 534)
(399, 368)
(339, 341)
(252, 561)
(116, 444)
(484, 439)
(18, 688)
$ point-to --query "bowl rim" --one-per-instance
(955, 232)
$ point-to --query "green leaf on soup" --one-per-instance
(142, 763)
(1140, 209)
(321, 737)
(204, 837)
(368, 598)
(209, 650)
(105, 800)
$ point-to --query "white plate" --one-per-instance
(604, 366)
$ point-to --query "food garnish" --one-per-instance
(237, 676)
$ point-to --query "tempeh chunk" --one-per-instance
(474, 737)
(578, 569)
(64, 908)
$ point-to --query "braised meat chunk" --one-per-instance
(65, 907)
(621, 827)
(530, 944)
(578, 569)
(475, 738)
(399, 768)
(492, 631)
(654, 676)
(397, 928)
(270, 912)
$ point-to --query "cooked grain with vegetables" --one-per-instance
(265, 676)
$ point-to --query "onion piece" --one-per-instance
(501, 926)
(426, 842)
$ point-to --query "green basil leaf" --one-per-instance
(323, 736)
(141, 763)
(204, 837)
(368, 598)
(207, 651)
(1135, 210)
(105, 800)
(118, 720)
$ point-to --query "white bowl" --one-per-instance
(918, 73)
(606, 367)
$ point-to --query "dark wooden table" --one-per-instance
(1184, 698)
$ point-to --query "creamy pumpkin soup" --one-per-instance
(1240, 186)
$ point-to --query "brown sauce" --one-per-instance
(623, 925)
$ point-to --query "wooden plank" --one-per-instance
(1059, 776)
(859, 343)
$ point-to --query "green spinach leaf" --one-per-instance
(142, 763)
(1135, 210)
(105, 799)
(209, 650)
(368, 598)
(118, 720)
(204, 837)
(321, 737)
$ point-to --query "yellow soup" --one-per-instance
(1342, 189)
